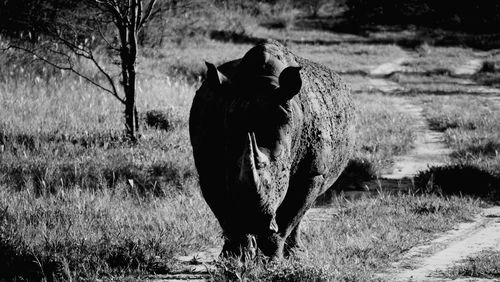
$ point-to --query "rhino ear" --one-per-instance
(214, 77)
(290, 83)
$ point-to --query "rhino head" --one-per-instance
(260, 121)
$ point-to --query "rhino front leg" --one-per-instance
(242, 246)
(293, 244)
(302, 193)
(271, 245)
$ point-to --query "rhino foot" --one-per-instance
(271, 245)
(243, 247)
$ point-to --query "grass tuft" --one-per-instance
(392, 134)
(486, 265)
(260, 269)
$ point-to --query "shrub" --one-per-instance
(459, 179)
(164, 120)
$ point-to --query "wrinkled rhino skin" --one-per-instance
(270, 132)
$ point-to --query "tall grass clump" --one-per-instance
(485, 264)
(474, 134)
(382, 131)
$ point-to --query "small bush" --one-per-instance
(354, 175)
(280, 15)
(488, 67)
(486, 149)
(164, 120)
(459, 179)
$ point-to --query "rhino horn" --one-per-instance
(248, 168)
(290, 83)
(214, 77)
(252, 160)
(261, 159)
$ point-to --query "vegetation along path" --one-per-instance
(429, 148)
(429, 261)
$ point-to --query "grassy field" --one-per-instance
(75, 196)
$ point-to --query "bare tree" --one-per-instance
(114, 23)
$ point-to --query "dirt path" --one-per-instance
(424, 263)
(429, 147)
(472, 67)
(469, 68)
(389, 68)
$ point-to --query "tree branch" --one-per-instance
(147, 13)
(71, 68)
(112, 7)
(139, 15)
(108, 77)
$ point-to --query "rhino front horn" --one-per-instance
(261, 160)
(252, 160)
(248, 169)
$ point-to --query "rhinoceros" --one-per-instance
(270, 132)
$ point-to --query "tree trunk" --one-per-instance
(128, 82)
(129, 50)
(136, 119)
(128, 55)
(130, 116)
(129, 22)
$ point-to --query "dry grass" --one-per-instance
(441, 58)
(483, 265)
(106, 233)
(473, 134)
(383, 131)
